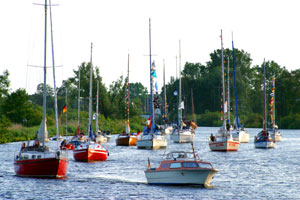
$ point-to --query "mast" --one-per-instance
(151, 80)
(53, 63)
(128, 99)
(97, 107)
(78, 96)
(223, 84)
(192, 99)
(67, 113)
(228, 93)
(90, 96)
(265, 104)
(179, 99)
(165, 97)
(43, 127)
(235, 93)
(273, 91)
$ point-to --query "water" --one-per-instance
(247, 174)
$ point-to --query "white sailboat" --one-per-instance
(100, 137)
(151, 138)
(275, 133)
(183, 133)
(223, 140)
(263, 138)
(238, 133)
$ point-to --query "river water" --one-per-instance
(248, 173)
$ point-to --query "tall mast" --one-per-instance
(151, 80)
(165, 97)
(179, 103)
(128, 97)
(53, 63)
(97, 107)
(223, 84)
(228, 93)
(67, 112)
(44, 86)
(265, 104)
(235, 93)
(91, 89)
(78, 96)
(192, 99)
(273, 123)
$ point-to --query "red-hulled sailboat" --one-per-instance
(90, 151)
(38, 160)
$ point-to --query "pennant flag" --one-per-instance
(225, 107)
(94, 116)
(138, 133)
(154, 77)
(127, 128)
(148, 124)
(64, 110)
(181, 106)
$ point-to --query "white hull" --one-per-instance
(276, 136)
(240, 136)
(182, 137)
(264, 144)
(154, 143)
(180, 177)
(101, 139)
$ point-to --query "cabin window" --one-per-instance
(164, 165)
(204, 165)
(39, 156)
(190, 164)
(33, 156)
(175, 165)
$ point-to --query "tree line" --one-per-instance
(201, 80)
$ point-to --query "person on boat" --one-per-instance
(23, 145)
(36, 143)
(212, 138)
(63, 144)
(227, 127)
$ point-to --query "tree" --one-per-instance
(19, 109)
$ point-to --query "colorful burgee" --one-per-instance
(272, 102)
(154, 78)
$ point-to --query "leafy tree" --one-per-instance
(19, 109)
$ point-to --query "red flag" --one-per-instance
(138, 133)
(64, 110)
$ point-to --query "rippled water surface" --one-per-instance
(247, 174)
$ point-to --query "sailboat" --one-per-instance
(90, 151)
(167, 128)
(151, 138)
(127, 139)
(238, 134)
(100, 138)
(263, 138)
(37, 160)
(223, 140)
(275, 133)
(183, 133)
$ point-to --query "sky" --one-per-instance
(264, 28)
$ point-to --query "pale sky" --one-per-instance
(264, 28)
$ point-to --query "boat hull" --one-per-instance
(200, 177)
(182, 137)
(126, 141)
(90, 155)
(224, 146)
(240, 136)
(264, 144)
(54, 167)
(152, 144)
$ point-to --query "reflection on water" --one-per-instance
(248, 173)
